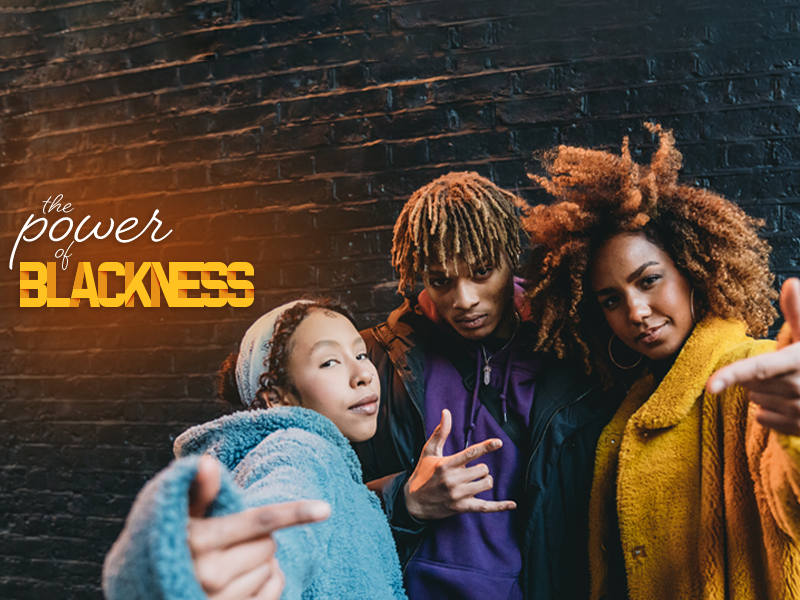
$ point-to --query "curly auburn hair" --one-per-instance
(458, 214)
(277, 376)
(599, 194)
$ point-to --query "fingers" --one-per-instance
(757, 373)
(217, 569)
(488, 506)
(273, 588)
(234, 556)
(779, 422)
(790, 305)
(463, 482)
(462, 494)
(248, 584)
(473, 473)
(785, 385)
(221, 532)
(769, 372)
(205, 486)
(788, 407)
(473, 488)
(288, 514)
(473, 452)
(441, 486)
(435, 444)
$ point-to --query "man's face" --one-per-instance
(475, 306)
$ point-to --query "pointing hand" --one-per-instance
(442, 486)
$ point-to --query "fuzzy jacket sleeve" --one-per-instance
(298, 468)
(779, 471)
(151, 559)
(774, 458)
(778, 467)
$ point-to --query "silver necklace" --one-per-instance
(487, 368)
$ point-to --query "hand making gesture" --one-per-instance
(773, 379)
(234, 556)
(442, 486)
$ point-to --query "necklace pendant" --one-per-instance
(487, 374)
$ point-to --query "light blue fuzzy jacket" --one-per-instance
(274, 455)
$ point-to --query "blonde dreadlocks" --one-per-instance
(710, 239)
(458, 214)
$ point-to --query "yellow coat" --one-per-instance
(707, 499)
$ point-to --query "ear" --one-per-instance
(281, 397)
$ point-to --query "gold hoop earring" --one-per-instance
(611, 356)
(691, 305)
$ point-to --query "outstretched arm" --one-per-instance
(773, 384)
(234, 556)
(773, 379)
(155, 555)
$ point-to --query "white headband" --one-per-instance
(254, 351)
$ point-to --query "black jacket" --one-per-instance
(568, 413)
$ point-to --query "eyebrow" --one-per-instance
(325, 343)
(630, 279)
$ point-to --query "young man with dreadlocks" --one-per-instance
(457, 370)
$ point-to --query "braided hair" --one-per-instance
(458, 214)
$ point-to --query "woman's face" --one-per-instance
(329, 368)
(645, 298)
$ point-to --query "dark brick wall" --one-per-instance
(288, 134)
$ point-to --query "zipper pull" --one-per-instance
(487, 374)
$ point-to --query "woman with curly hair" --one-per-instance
(656, 285)
(306, 364)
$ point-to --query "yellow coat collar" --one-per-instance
(685, 381)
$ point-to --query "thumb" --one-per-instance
(435, 444)
(205, 486)
(790, 307)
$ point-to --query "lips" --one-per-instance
(472, 322)
(368, 405)
(651, 335)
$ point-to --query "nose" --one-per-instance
(466, 295)
(363, 373)
(638, 308)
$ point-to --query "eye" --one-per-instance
(483, 272)
(650, 280)
(361, 356)
(438, 282)
(328, 363)
(609, 302)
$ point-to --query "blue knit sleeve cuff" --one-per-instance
(151, 559)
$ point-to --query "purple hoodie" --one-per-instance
(476, 555)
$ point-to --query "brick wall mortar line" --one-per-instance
(393, 85)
